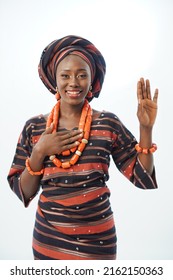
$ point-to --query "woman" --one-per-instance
(67, 154)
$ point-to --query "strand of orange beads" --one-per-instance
(84, 125)
(54, 118)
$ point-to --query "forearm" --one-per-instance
(30, 183)
(145, 141)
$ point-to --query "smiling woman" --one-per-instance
(73, 77)
(67, 154)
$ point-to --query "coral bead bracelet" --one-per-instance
(31, 172)
(146, 150)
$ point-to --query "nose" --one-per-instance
(73, 81)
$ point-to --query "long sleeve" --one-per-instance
(126, 159)
(23, 150)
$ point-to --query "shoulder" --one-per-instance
(105, 115)
(35, 123)
(37, 119)
(107, 120)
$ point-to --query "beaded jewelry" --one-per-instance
(84, 125)
(146, 150)
(57, 94)
(90, 94)
(31, 172)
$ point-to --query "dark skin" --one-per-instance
(74, 79)
(73, 76)
(146, 113)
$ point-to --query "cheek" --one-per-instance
(59, 81)
(85, 86)
(60, 84)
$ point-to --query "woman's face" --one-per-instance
(73, 77)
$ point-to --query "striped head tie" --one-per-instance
(57, 50)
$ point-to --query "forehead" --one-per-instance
(73, 61)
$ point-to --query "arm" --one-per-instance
(48, 144)
(23, 184)
(30, 184)
(147, 111)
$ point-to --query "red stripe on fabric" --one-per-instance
(89, 229)
(80, 199)
(35, 138)
(56, 255)
(103, 132)
(14, 171)
(75, 168)
(39, 211)
(93, 132)
(128, 171)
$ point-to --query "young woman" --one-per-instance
(67, 154)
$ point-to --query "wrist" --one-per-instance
(147, 150)
(31, 171)
(146, 129)
(38, 153)
(36, 159)
(145, 138)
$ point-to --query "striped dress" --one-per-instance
(74, 219)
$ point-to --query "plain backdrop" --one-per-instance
(136, 39)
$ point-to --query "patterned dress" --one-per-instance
(74, 219)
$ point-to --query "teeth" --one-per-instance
(73, 92)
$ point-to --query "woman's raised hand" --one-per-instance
(147, 106)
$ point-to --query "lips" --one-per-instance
(73, 93)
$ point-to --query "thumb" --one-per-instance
(49, 129)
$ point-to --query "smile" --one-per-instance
(73, 92)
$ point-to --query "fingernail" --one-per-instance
(77, 142)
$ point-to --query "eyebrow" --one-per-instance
(82, 69)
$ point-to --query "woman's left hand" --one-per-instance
(147, 106)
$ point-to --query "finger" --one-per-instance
(139, 92)
(144, 93)
(48, 129)
(70, 146)
(68, 134)
(155, 97)
(148, 90)
(72, 139)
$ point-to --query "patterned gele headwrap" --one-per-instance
(59, 49)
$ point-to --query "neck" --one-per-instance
(67, 110)
(84, 125)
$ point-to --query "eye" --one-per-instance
(82, 76)
(65, 76)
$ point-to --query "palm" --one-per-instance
(147, 107)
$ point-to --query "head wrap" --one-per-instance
(59, 49)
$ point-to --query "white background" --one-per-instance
(136, 39)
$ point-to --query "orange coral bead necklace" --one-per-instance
(84, 125)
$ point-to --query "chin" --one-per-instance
(74, 100)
